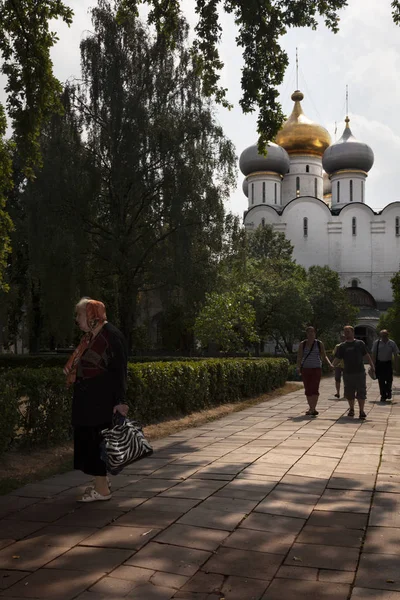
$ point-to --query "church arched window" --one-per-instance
(397, 225)
(362, 191)
(354, 226)
(262, 222)
(316, 188)
(351, 190)
(252, 193)
(305, 227)
(354, 283)
(298, 186)
(307, 168)
(264, 191)
(338, 191)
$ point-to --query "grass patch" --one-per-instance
(17, 468)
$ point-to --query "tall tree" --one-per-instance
(32, 91)
(260, 27)
(331, 309)
(163, 165)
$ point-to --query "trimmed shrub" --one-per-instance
(35, 405)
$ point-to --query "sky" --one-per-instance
(365, 55)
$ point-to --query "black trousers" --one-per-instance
(384, 373)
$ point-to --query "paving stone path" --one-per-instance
(265, 504)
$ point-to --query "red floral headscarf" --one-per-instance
(95, 315)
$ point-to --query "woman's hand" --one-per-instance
(123, 409)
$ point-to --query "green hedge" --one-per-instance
(37, 361)
(35, 405)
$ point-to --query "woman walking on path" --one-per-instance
(97, 369)
(310, 355)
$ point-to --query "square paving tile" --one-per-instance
(147, 518)
(256, 565)
(365, 594)
(306, 590)
(300, 573)
(240, 588)
(359, 482)
(27, 555)
(385, 510)
(304, 485)
(53, 535)
(120, 537)
(331, 536)
(192, 537)
(321, 518)
(53, 584)
(170, 559)
(206, 583)
(193, 489)
(87, 517)
(16, 530)
(228, 504)
(382, 540)
(345, 501)
(260, 541)
(380, 571)
(288, 504)
(84, 558)
(323, 557)
(148, 591)
(8, 578)
(273, 523)
(247, 489)
(212, 519)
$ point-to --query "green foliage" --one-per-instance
(227, 319)
(330, 307)
(260, 27)
(390, 320)
(266, 243)
(5, 185)
(33, 93)
(35, 404)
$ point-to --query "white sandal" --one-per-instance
(91, 495)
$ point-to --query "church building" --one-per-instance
(315, 192)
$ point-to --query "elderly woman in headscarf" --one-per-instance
(98, 371)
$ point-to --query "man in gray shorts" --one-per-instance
(352, 352)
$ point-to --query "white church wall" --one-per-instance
(310, 249)
(254, 218)
(356, 244)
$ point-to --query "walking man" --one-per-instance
(352, 352)
(382, 352)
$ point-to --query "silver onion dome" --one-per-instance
(348, 153)
(245, 187)
(276, 161)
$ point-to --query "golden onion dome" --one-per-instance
(300, 135)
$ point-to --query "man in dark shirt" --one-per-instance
(352, 352)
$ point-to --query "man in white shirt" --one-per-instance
(382, 351)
